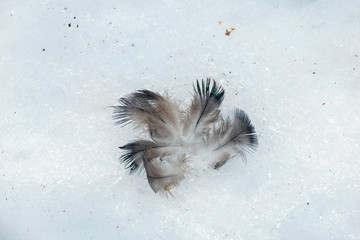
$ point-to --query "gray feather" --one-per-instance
(234, 137)
(164, 169)
(177, 137)
(203, 111)
(145, 108)
(134, 154)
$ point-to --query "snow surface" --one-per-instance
(293, 66)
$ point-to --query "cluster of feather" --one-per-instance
(178, 135)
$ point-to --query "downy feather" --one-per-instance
(234, 137)
(164, 167)
(158, 114)
(203, 111)
(177, 137)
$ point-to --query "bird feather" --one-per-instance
(178, 135)
(203, 111)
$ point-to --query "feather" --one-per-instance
(163, 167)
(165, 172)
(178, 135)
(203, 110)
(135, 153)
(234, 137)
(158, 114)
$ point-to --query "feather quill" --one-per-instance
(177, 135)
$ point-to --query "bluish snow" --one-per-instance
(293, 66)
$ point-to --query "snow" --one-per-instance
(293, 66)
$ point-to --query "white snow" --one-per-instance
(293, 66)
